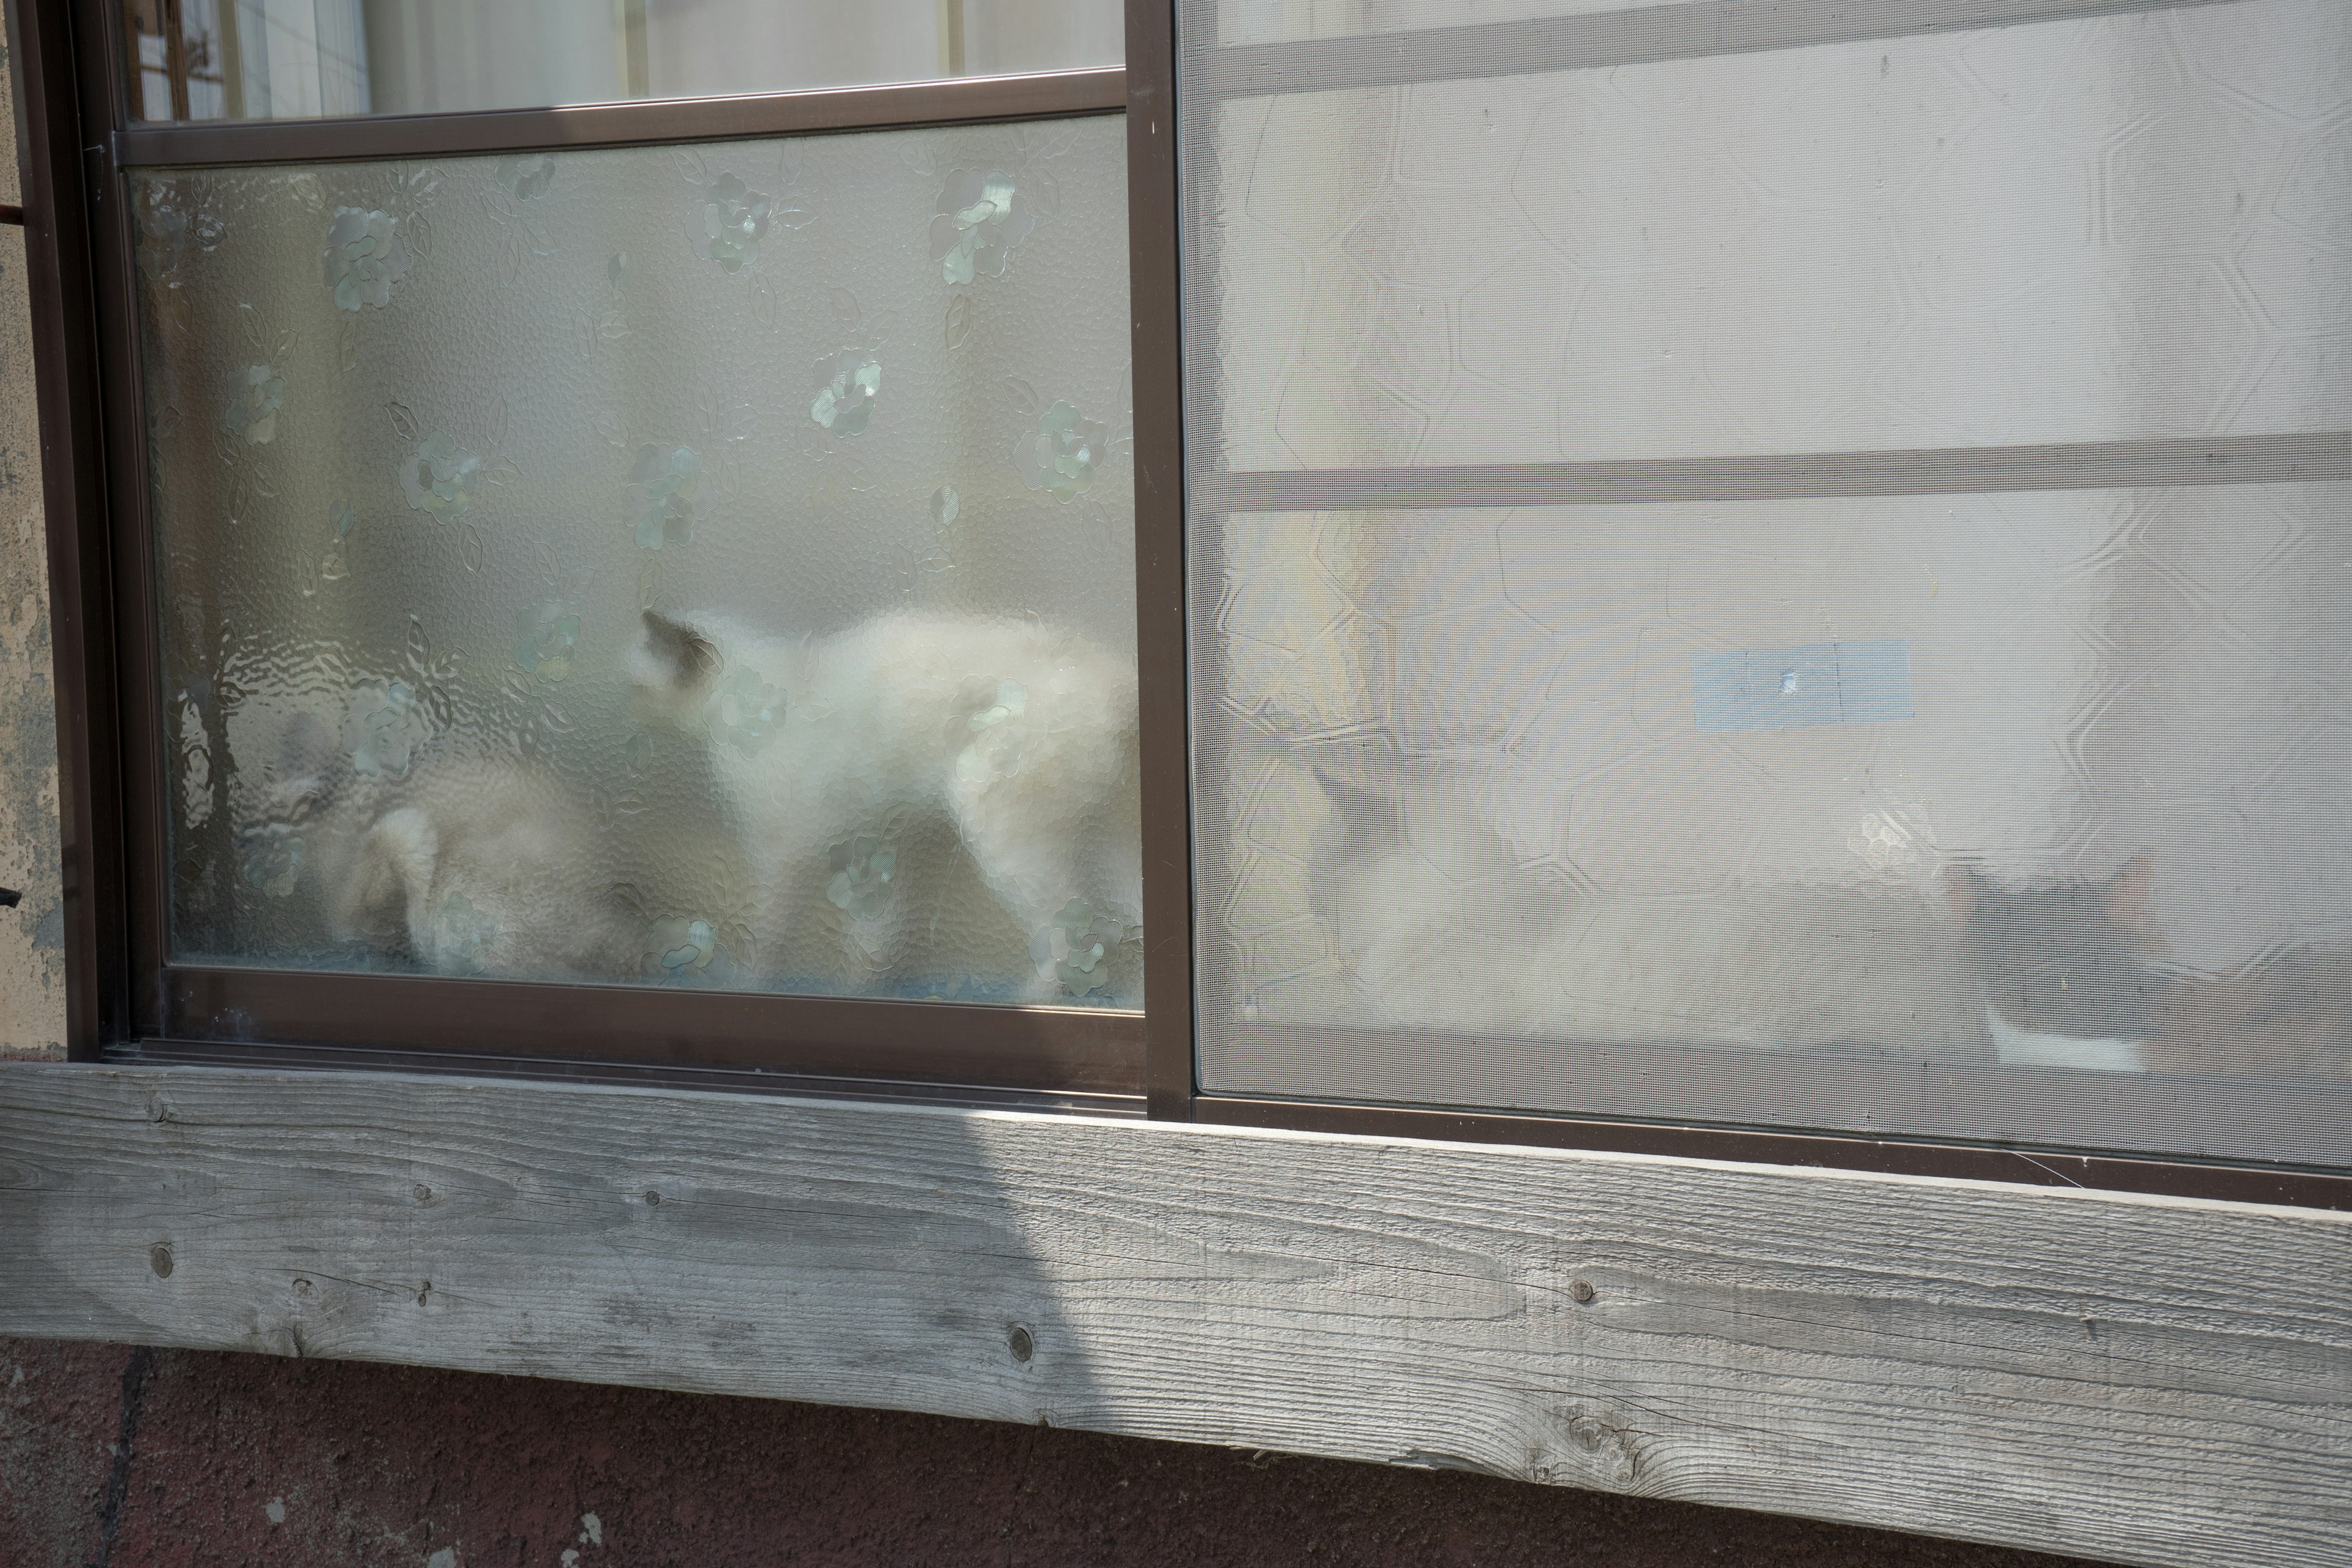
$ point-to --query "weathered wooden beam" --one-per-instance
(2147, 1379)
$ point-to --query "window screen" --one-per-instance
(710, 567)
(1801, 585)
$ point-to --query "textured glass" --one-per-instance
(2119, 227)
(1244, 22)
(707, 565)
(274, 60)
(1817, 787)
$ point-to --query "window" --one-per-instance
(460, 513)
(1778, 572)
(278, 59)
(1720, 578)
(516, 502)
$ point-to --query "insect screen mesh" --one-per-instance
(1777, 563)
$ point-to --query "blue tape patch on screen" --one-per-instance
(1797, 688)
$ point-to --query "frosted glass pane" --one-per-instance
(710, 567)
(1243, 22)
(274, 60)
(2098, 229)
(2008, 817)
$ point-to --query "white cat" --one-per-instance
(1448, 932)
(476, 867)
(1020, 739)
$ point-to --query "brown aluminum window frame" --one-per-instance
(125, 1003)
(126, 998)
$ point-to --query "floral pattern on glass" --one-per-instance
(256, 394)
(981, 218)
(546, 632)
(745, 711)
(526, 178)
(682, 946)
(734, 221)
(1064, 453)
(847, 383)
(1011, 701)
(999, 740)
(440, 476)
(382, 728)
(1076, 947)
(171, 221)
(668, 494)
(333, 567)
(272, 859)
(366, 255)
(862, 870)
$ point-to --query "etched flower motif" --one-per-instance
(167, 226)
(745, 710)
(846, 385)
(734, 221)
(683, 945)
(272, 859)
(667, 495)
(1011, 701)
(439, 477)
(332, 567)
(998, 743)
(526, 178)
(1077, 945)
(981, 218)
(1064, 454)
(381, 727)
(466, 933)
(547, 633)
(256, 394)
(945, 504)
(862, 870)
(365, 256)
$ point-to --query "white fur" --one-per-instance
(905, 719)
(480, 868)
(2031, 1048)
(1448, 933)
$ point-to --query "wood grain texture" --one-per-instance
(2152, 1380)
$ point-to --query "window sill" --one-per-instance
(2149, 1379)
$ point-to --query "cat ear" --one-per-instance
(674, 666)
(1964, 889)
(681, 645)
(2131, 894)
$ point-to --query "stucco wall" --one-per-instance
(32, 959)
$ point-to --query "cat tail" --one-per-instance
(389, 884)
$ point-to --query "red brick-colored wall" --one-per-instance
(138, 1458)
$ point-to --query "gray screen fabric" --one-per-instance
(1797, 586)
